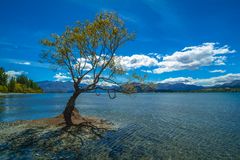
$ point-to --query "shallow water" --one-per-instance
(151, 126)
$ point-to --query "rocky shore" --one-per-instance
(49, 137)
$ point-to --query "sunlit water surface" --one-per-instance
(151, 126)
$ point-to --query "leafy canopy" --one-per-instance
(3, 77)
(87, 50)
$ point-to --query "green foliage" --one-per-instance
(3, 89)
(21, 84)
(23, 79)
(19, 88)
(3, 77)
(140, 78)
(88, 49)
(26, 84)
(22, 88)
(128, 88)
(11, 85)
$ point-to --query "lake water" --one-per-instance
(151, 126)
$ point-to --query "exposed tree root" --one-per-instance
(50, 137)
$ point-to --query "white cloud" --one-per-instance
(15, 73)
(82, 63)
(136, 61)
(146, 71)
(185, 80)
(24, 63)
(218, 80)
(218, 71)
(158, 57)
(87, 79)
(220, 60)
(108, 84)
(205, 81)
(62, 77)
(101, 83)
(191, 58)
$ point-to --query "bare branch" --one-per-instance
(89, 44)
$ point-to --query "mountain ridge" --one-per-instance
(67, 87)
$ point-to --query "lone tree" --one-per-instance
(87, 52)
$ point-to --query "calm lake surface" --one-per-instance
(151, 126)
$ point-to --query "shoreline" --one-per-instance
(6, 94)
(3, 94)
(51, 136)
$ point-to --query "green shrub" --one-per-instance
(3, 89)
(19, 88)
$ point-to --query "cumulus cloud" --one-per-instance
(218, 71)
(82, 63)
(136, 61)
(62, 77)
(185, 80)
(13, 74)
(89, 79)
(191, 58)
(108, 84)
(101, 83)
(205, 81)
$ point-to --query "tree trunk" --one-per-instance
(69, 108)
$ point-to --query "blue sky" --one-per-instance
(187, 41)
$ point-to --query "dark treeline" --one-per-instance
(19, 84)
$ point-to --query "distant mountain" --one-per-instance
(58, 87)
(233, 84)
(177, 87)
(62, 87)
(164, 87)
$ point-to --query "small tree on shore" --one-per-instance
(87, 52)
(3, 77)
(12, 84)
